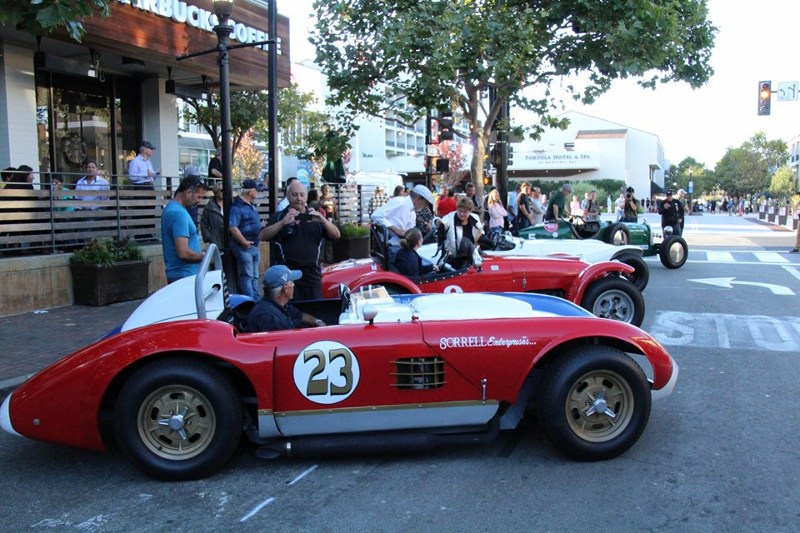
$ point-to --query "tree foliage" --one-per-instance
(749, 168)
(410, 56)
(40, 17)
(690, 170)
(783, 182)
(249, 159)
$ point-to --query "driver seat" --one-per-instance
(588, 230)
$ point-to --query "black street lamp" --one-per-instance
(223, 9)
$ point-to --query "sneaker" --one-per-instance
(794, 251)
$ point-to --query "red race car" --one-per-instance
(387, 373)
(601, 288)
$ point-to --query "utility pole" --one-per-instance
(501, 145)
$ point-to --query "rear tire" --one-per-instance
(641, 276)
(618, 234)
(615, 298)
(594, 403)
(178, 419)
(673, 252)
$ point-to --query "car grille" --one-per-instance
(419, 373)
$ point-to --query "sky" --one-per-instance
(757, 40)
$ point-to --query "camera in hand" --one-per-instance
(628, 195)
(303, 217)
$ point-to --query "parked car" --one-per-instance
(671, 249)
(602, 288)
(588, 251)
(388, 373)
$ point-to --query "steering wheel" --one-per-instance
(344, 295)
(441, 264)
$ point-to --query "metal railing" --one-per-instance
(51, 220)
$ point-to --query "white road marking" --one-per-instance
(302, 475)
(726, 331)
(256, 509)
(770, 257)
(728, 283)
(720, 257)
(794, 271)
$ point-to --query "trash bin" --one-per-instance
(782, 215)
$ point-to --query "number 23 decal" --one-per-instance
(326, 372)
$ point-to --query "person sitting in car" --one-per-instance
(408, 262)
(461, 224)
(273, 311)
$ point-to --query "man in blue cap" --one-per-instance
(244, 224)
(273, 312)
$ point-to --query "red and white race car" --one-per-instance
(603, 288)
(387, 373)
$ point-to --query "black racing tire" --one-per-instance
(178, 419)
(593, 403)
(673, 251)
(641, 276)
(615, 298)
(617, 234)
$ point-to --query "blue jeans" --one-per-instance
(247, 262)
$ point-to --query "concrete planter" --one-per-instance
(355, 248)
(103, 285)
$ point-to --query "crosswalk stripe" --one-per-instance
(719, 257)
(770, 257)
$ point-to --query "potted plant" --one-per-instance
(353, 243)
(109, 270)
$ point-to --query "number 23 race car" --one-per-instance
(176, 395)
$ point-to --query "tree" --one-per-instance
(748, 168)
(742, 171)
(690, 170)
(783, 182)
(249, 160)
(774, 153)
(248, 112)
(41, 17)
(454, 152)
(411, 56)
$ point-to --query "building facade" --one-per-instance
(63, 103)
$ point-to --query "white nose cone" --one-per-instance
(5, 418)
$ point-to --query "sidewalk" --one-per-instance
(31, 341)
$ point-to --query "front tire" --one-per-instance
(618, 234)
(641, 276)
(594, 403)
(615, 298)
(178, 419)
(673, 252)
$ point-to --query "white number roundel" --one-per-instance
(326, 372)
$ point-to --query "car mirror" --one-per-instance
(369, 312)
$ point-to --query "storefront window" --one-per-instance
(77, 123)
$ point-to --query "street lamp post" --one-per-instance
(223, 9)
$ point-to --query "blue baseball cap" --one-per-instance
(279, 275)
(249, 184)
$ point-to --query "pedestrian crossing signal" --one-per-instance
(764, 97)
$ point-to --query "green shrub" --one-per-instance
(106, 252)
(351, 230)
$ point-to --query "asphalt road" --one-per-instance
(720, 454)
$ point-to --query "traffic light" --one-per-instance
(442, 165)
(764, 97)
(510, 160)
(433, 131)
(446, 126)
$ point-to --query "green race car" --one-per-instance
(671, 249)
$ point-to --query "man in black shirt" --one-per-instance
(273, 312)
(215, 166)
(298, 233)
(671, 211)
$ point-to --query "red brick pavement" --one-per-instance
(31, 341)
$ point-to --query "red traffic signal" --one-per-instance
(446, 126)
(764, 97)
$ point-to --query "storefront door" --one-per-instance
(81, 119)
